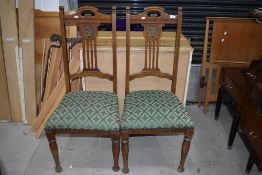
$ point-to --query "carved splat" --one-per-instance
(152, 33)
(88, 34)
(87, 20)
(153, 19)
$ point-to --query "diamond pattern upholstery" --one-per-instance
(154, 109)
(87, 110)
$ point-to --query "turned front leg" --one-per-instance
(116, 150)
(125, 149)
(185, 149)
(54, 150)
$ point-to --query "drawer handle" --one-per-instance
(230, 86)
(259, 113)
(252, 135)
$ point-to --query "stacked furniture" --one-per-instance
(230, 42)
(241, 92)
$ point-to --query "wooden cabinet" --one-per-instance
(233, 91)
(251, 125)
(243, 98)
(236, 85)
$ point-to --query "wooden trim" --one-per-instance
(10, 45)
(177, 48)
(114, 40)
(86, 132)
(167, 131)
(40, 13)
(50, 73)
(4, 102)
(91, 73)
(127, 49)
(156, 73)
(26, 40)
(64, 49)
(208, 88)
(203, 67)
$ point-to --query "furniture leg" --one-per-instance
(54, 150)
(216, 88)
(250, 164)
(125, 149)
(233, 130)
(208, 87)
(204, 65)
(185, 149)
(116, 150)
(218, 103)
(201, 89)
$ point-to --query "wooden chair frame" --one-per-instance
(87, 25)
(153, 25)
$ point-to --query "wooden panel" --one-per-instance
(26, 40)
(46, 24)
(53, 100)
(4, 102)
(236, 40)
(10, 45)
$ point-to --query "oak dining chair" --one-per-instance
(154, 112)
(86, 113)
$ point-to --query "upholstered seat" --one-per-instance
(87, 110)
(154, 109)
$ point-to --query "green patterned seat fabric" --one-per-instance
(87, 110)
(154, 109)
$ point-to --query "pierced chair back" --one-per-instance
(88, 20)
(153, 19)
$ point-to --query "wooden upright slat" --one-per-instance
(46, 24)
(10, 45)
(4, 102)
(54, 99)
(51, 73)
(26, 40)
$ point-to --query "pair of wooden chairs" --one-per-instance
(96, 113)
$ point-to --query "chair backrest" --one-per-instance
(87, 20)
(153, 19)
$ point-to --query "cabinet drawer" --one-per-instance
(233, 90)
(251, 126)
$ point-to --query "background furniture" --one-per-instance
(234, 42)
(250, 127)
(241, 92)
(92, 113)
(233, 92)
(153, 112)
